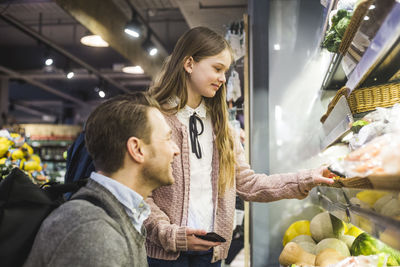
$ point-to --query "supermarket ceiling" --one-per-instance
(33, 30)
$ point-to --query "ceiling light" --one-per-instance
(149, 46)
(153, 51)
(371, 7)
(277, 47)
(48, 62)
(94, 41)
(133, 70)
(70, 74)
(133, 27)
(102, 94)
(366, 18)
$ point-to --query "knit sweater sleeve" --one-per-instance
(161, 232)
(251, 186)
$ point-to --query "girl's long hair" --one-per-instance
(199, 43)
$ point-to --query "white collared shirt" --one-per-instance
(135, 206)
(201, 207)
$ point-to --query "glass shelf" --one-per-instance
(342, 203)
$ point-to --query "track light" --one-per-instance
(70, 74)
(48, 60)
(149, 46)
(133, 27)
(100, 88)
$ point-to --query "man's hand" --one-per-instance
(196, 244)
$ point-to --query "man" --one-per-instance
(131, 146)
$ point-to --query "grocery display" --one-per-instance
(332, 242)
(38, 149)
(334, 36)
(15, 152)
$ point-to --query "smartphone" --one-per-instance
(214, 237)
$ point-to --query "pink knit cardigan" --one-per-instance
(169, 204)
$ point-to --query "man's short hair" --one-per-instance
(112, 123)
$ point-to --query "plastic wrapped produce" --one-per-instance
(380, 156)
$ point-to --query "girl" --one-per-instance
(211, 168)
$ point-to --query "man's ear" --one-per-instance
(188, 65)
(135, 149)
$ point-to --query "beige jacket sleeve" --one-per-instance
(161, 232)
(251, 186)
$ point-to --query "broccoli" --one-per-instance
(334, 36)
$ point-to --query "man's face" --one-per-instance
(162, 150)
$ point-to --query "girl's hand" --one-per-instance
(320, 176)
(196, 244)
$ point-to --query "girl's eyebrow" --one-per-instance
(221, 64)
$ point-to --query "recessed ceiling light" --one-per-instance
(102, 94)
(133, 69)
(94, 40)
(277, 47)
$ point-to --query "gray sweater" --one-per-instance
(79, 233)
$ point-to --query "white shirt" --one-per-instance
(135, 206)
(201, 207)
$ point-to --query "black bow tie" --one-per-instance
(194, 133)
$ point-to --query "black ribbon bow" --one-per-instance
(194, 133)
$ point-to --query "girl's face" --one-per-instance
(207, 75)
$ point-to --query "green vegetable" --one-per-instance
(368, 245)
(335, 34)
(357, 125)
(342, 25)
(341, 13)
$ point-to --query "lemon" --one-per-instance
(31, 165)
(27, 148)
(296, 229)
(15, 135)
(17, 154)
(3, 160)
(4, 146)
(354, 231)
(370, 196)
(21, 163)
(36, 158)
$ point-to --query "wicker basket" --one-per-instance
(355, 22)
(369, 98)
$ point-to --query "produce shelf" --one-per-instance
(337, 202)
(381, 59)
(335, 77)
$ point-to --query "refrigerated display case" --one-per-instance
(286, 131)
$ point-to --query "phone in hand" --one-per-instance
(211, 236)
